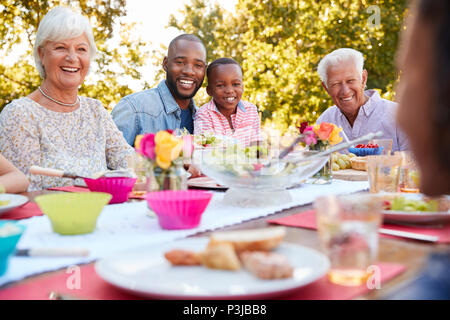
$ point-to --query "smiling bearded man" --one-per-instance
(170, 104)
(356, 110)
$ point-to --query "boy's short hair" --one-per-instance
(221, 61)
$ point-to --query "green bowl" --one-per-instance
(73, 213)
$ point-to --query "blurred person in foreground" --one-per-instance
(357, 111)
(12, 180)
(424, 111)
(53, 127)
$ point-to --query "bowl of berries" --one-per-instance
(362, 150)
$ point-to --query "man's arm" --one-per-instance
(125, 116)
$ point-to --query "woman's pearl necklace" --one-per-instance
(59, 102)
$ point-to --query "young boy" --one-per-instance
(226, 114)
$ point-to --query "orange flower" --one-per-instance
(323, 130)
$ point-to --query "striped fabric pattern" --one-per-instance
(246, 122)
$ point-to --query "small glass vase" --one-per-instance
(173, 178)
(324, 175)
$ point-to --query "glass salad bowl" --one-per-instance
(255, 179)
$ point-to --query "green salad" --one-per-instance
(205, 139)
(412, 205)
(246, 162)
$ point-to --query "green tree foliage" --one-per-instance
(115, 62)
(280, 43)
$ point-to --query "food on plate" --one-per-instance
(267, 265)
(402, 203)
(340, 161)
(264, 239)
(229, 250)
(220, 256)
(205, 139)
(9, 229)
(179, 257)
(4, 202)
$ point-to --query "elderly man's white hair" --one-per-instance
(338, 56)
(58, 24)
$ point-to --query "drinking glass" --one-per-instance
(384, 173)
(348, 233)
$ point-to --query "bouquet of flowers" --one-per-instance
(164, 153)
(320, 136)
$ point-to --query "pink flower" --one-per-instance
(310, 136)
(257, 166)
(147, 146)
(188, 145)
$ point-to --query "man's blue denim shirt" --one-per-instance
(148, 111)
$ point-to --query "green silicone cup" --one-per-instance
(73, 213)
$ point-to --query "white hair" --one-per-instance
(58, 24)
(338, 56)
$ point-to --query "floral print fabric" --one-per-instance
(84, 141)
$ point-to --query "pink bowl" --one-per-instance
(179, 209)
(118, 187)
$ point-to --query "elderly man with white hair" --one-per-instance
(54, 127)
(356, 110)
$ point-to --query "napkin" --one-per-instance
(28, 210)
(91, 286)
(307, 219)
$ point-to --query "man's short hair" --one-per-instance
(221, 61)
(338, 56)
(187, 37)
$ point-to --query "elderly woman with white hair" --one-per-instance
(356, 110)
(53, 127)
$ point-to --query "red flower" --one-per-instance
(302, 126)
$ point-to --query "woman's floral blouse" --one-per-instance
(84, 141)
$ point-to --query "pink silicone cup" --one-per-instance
(118, 187)
(181, 209)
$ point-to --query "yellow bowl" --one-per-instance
(73, 213)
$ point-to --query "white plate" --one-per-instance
(16, 200)
(146, 272)
(416, 217)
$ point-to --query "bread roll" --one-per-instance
(264, 239)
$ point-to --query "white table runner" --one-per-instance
(124, 226)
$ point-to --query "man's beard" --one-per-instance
(173, 88)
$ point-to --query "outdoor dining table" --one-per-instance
(412, 254)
